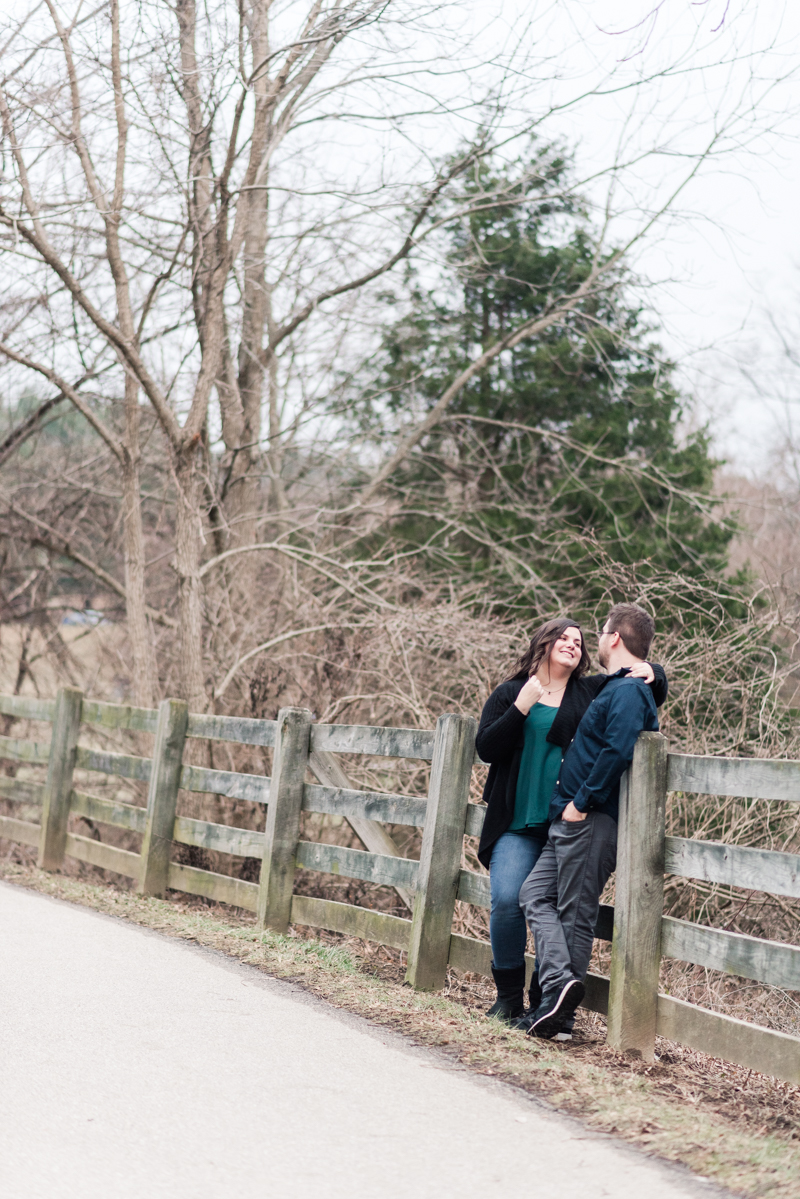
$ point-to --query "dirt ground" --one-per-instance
(733, 1126)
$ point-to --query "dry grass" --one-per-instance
(740, 1129)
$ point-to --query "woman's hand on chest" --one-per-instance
(530, 694)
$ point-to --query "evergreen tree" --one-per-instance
(569, 448)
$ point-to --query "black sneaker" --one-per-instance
(556, 1008)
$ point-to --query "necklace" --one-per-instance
(552, 690)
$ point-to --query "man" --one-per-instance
(561, 896)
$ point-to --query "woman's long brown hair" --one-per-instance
(541, 644)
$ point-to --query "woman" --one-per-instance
(526, 725)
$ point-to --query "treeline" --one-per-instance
(308, 427)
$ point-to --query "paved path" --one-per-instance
(134, 1065)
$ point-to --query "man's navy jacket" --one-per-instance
(602, 749)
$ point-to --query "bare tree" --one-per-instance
(182, 239)
(127, 254)
(208, 110)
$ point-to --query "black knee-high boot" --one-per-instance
(510, 1000)
(534, 992)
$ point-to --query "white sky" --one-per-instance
(728, 260)
(731, 255)
(734, 259)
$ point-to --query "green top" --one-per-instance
(538, 771)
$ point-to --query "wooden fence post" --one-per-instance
(442, 847)
(162, 795)
(60, 765)
(282, 833)
(639, 900)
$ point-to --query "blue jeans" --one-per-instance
(513, 858)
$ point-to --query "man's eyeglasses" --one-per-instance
(604, 633)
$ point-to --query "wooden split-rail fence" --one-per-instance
(641, 935)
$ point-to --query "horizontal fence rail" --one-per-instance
(750, 778)
(734, 865)
(241, 842)
(125, 766)
(768, 962)
(356, 863)
(225, 782)
(15, 750)
(107, 857)
(241, 729)
(108, 811)
(119, 716)
(27, 708)
(640, 934)
(22, 792)
(368, 805)
(219, 887)
(380, 742)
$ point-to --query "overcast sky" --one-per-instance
(730, 265)
(724, 268)
(648, 82)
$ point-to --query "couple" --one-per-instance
(558, 741)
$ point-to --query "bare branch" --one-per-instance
(529, 328)
(72, 395)
(51, 539)
(404, 250)
(114, 336)
(32, 424)
(260, 649)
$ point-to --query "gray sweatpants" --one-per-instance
(561, 895)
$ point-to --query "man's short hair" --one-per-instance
(635, 626)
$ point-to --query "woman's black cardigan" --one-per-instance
(500, 741)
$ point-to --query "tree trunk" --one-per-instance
(275, 454)
(141, 639)
(139, 632)
(188, 549)
(244, 491)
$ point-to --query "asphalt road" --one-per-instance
(136, 1065)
